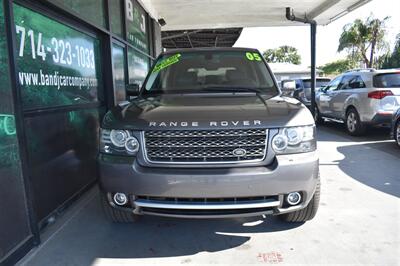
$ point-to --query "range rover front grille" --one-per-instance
(205, 146)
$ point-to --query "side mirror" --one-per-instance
(132, 89)
(289, 85)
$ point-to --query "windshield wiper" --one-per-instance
(232, 89)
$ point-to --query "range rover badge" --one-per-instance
(239, 152)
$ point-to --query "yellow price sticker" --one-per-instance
(167, 62)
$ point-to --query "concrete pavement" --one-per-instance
(357, 223)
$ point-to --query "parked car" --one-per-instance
(396, 127)
(360, 98)
(209, 136)
(301, 88)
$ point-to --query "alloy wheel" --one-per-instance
(351, 122)
(398, 133)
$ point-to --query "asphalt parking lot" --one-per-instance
(357, 223)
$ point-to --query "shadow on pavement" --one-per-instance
(375, 169)
(381, 136)
(372, 169)
(339, 129)
(90, 236)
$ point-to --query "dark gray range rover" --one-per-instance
(209, 136)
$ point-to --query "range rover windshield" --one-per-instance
(200, 71)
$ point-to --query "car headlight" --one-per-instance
(119, 137)
(132, 145)
(295, 140)
(120, 142)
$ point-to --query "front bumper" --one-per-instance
(160, 191)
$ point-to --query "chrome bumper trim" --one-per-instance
(209, 216)
(207, 206)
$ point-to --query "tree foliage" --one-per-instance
(283, 54)
(393, 60)
(364, 40)
(338, 66)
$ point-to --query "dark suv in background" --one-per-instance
(301, 88)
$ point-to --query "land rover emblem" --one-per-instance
(239, 152)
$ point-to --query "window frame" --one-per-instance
(329, 86)
(357, 79)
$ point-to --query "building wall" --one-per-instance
(72, 62)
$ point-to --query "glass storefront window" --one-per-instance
(137, 25)
(13, 220)
(119, 73)
(92, 10)
(57, 65)
(116, 17)
(138, 66)
(9, 157)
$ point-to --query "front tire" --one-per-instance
(115, 215)
(397, 133)
(308, 212)
(353, 123)
(317, 117)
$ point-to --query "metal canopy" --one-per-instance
(200, 38)
(214, 14)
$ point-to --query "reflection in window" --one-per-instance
(138, 66)
(116, 17)
(65, 71)
(119, 73)
(92, 10)
(136, 27)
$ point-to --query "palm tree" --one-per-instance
(364, 39)
(283, 54)
(393, 60)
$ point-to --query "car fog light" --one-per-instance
(132, 145)
(120, 199)
(293, 198)
(279, 143)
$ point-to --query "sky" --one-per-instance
(264, 38)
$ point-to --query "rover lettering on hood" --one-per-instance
(211, 123)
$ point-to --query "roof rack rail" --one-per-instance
(361, 70)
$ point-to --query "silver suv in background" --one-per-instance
(360, 98)
(301, 88)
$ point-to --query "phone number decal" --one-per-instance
(61, 51)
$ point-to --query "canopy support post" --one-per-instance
(313, 34)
